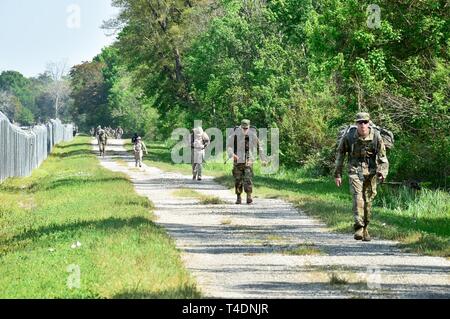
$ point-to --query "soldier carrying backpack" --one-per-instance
(139, 148)
(365, 145)
(243, 147)
(102, 138)
(199, 141)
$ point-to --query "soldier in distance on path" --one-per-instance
(139, 148)
(199, 141)
(242, 146)
(102, 139)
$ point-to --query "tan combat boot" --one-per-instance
(239, 200)
(366, 236)
(359, 233)
(249, 198)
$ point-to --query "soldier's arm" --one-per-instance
(206, 140)
(144, 148)
(382, 160)
(340, 156)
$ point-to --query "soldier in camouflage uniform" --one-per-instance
(102, 138)
(368, 164)
(241, 146)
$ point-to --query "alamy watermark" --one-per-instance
(374, 16)
(373, 277)
(73, 20)
(74, 278)
(246, 146)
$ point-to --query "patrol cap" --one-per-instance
(245, 123)
(362, 116)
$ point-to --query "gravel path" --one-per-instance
(240, 251)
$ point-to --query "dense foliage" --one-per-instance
(303, 66)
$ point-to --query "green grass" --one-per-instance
(70, 198)
(303, 249)
(204, 199)
(336, 279)
(420, 222)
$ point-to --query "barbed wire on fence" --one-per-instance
(24, 149)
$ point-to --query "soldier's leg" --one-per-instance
(238, 174)
(141, 155)
(248, 183)
(356, 188)
(199, 171)
(369, 193)
(194, 166)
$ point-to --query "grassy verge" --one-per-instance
(204, 199)
(70, 199)
(419, 221)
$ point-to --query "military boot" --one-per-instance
(366, 236)
(358, 233)
(239, 199)
(249, 198)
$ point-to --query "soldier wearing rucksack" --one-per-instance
(199, 141)
(243, 145)
(102, 139)
(139, 148)
(367, 164)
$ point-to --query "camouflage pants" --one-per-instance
(101, 147)
(197, 162)
(364, 190)
(243, 175)
(197, 170)
(138, 158)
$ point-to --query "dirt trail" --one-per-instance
(239, 251)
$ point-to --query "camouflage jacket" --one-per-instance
(244, 146)
(102, 136)
(364, 157)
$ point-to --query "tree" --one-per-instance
(10, 105)
(59, 89)
(90, 95)
(18, 85)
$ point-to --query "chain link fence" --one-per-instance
(24, 149)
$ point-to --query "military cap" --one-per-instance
(245, 123)
(362, 116)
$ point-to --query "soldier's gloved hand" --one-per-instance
(380, 177)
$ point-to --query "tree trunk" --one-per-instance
(178, 66)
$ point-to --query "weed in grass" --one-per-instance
(203, 199)
(303, 249)
(336, 279)
(225, 222)
(211, 200)
(273, 237)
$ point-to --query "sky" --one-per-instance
(36, 32)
